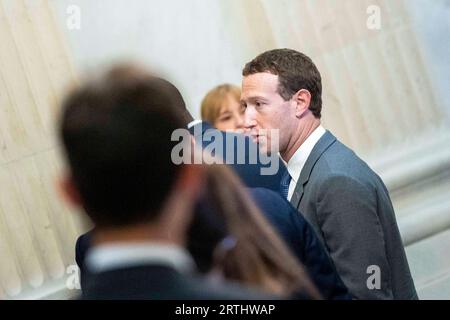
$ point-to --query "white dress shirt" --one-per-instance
(298, 160)
(121, 255)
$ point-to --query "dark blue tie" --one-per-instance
(284, 184)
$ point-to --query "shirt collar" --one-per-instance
(193, 123)
(116, 256)
(298, 160)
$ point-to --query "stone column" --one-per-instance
(376, 88)
(37, 232)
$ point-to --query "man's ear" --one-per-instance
(302, 98)
(69, 191)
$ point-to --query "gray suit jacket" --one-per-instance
(349, 207)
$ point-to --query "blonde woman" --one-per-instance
(222, 109)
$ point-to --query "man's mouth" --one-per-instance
(254, 135)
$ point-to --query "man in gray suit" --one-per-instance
(346, 202)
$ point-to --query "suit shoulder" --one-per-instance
(272, 203)
(339, 161)
(264, 194)
(155, 282)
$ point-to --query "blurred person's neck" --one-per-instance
(143, 233)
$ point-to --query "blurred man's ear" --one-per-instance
(69, 192)
(178, 210)
(191, 177)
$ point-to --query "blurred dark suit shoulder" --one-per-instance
(250, 173)
(156, 282)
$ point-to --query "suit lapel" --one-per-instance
(321, 146)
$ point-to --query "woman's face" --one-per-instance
(231, 116)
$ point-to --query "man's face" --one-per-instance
(265, 110)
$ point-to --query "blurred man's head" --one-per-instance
(116, 134)
(282, 90)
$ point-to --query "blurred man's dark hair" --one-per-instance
(116, 134)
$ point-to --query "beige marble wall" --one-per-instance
(36, 230)
(376, 88)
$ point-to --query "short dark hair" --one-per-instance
(116, 134)
(295, 71)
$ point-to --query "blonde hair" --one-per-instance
(214, 100)
(258, 256)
